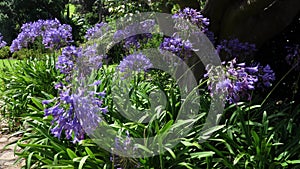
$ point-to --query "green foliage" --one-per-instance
(95, 11)
(26, 53)
(162, 122)
(79, 27)
(4, 52)
(38, 9)
(251, 137)
(42, 150)
(27, 78)
(90, 10)
(70, 10)
(119, 9)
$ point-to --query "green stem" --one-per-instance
(277, 85)
(161, 160)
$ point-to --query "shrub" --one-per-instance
(4, 52)
(28, 53)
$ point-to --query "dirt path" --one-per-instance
(7, 157)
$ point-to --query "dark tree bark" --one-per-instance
(253, 21)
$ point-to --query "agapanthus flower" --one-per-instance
(2, 42)
(181, 48)
(134, 63)
(234, 48)
(240, 80)
(95, 31)
(196, 18)
(66, 61)
(135, 34)
(53, 34)
(76, 110)
(63, 116)
(75, 113)
(88, 107)
(293, 56)
(123, 147)
(265, 76)
(57, 37)
(85, 58)
(91, 60)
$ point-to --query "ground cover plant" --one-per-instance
(63, 94)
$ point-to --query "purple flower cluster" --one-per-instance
(71, 115)
(2, 42)
(234, 48)
(194, 16)
(123, 147)
(265, 76)
(88, 107)
(293, 56)
(135, 34)
(95, 31)
(63, 115)
(240, 80)
(54, 35)
(87, 57)
(134, 63)
(126, 143)
(76, 111)
(181, 48)
(66, 61)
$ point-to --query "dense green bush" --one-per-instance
(4, 52)
(28, 53)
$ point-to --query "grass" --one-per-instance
(6, 63)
